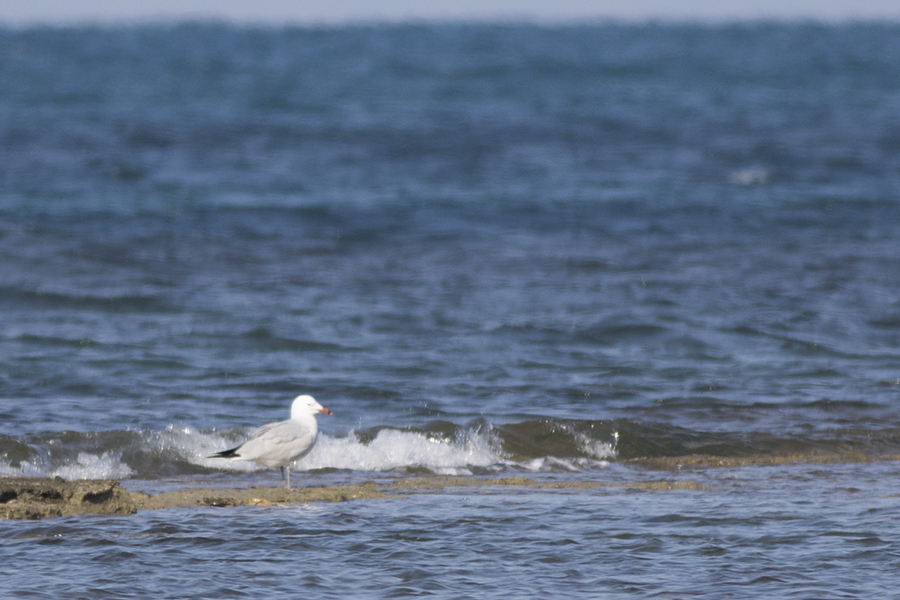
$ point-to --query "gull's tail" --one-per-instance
(232, 453)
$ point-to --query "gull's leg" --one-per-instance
(282, 473)
(287, 481)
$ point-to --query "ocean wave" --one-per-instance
(439, 447)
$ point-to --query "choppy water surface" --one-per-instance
(605, 253)
(808, 532)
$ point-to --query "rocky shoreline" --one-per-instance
(40, 498)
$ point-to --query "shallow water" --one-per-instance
(797, 531)
(601, 253)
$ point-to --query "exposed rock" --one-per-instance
(38, 498)
(257, 496)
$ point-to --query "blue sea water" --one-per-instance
(559, 252)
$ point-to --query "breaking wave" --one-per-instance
(439, 447)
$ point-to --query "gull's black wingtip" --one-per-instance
(225, 454)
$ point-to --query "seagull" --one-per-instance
(281, 443)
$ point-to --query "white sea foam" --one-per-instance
(392, 449)
(552, 464)
(90, 466)
(596, 448)
(25, 469)
(87, 466)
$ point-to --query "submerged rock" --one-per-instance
(39, 498)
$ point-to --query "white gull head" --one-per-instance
(305, 406)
